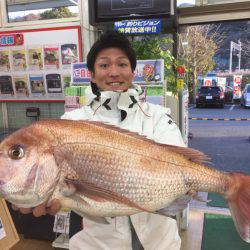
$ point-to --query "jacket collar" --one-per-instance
(108, 101)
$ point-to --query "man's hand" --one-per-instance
(41, 209)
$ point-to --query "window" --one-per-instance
(26, 10)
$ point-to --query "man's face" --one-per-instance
(112, 70)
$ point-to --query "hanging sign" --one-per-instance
(11, 40)
(150, 26)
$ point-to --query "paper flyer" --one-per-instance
(21, 86)
(4, 60)
(2, 231)
(35, 61)
(6, 87)
(68, 54)
(19, 60)
(61, 224)
(66, 79)
(51, 56)
(54, 85)
(37, 86)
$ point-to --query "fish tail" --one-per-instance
(238, 198)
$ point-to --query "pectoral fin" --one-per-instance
(176, 206)
(100, 194)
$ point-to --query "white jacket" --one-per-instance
(155, 232)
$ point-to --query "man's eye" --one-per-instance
(123, 64)
(104, 65)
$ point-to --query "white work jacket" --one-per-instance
(155, 232)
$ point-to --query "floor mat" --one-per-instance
(216, 200)
(219, 233)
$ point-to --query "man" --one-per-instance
(113, 99)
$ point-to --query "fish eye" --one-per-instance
(16, 152)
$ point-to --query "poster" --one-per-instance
(19, 60)
(4, 60)
(61, 223)
(237, 86)
(35, 61)
(149, 72)
(37, 86)
(66, 79)
(54, 85)
(6, 87)
(51, 56)
(2, 231)
(21, 86)
(68, 55)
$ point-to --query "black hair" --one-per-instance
(108, 40)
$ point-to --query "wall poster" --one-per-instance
(36, 64)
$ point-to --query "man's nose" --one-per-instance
(113, 71)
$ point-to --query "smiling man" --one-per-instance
(113, 99)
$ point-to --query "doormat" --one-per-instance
(219, 233)
(216, 200)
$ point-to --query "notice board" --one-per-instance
(35, 64)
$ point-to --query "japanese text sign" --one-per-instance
(11, 40)
(150, 26)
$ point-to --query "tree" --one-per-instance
(196, 49)
(157, 47)
(60, 12)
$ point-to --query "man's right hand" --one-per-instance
(42, 209)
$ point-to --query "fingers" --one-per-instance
(42, 209)
(54, 207)
(39, 210)
(25, 210)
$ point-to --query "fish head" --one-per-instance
(28, 170)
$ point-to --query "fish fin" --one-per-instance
(100, 220)
(102, 194)
(238, 198)
(192, 154)
(67, 189)
(177, 206)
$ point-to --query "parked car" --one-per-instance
(245, 98)
(210, 95)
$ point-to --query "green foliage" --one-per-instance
(60, 12)
(196, 49)
(156, 47)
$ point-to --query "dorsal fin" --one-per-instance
(191, 154)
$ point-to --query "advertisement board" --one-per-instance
(237, 86)
(34, 63)
(147, 72)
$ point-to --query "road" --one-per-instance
(226, 142)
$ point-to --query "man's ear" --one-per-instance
(92, 76)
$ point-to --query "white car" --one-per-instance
(245, 98)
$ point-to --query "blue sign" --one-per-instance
(147, 72)
(150, 26)
(80, 73)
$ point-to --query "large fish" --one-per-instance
(103, 171)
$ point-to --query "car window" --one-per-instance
(212, 90)
(248, 88)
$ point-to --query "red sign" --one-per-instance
(237, 80)
(180, 69)
(11, 40)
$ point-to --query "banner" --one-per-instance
(237, 86)
(147, 72)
